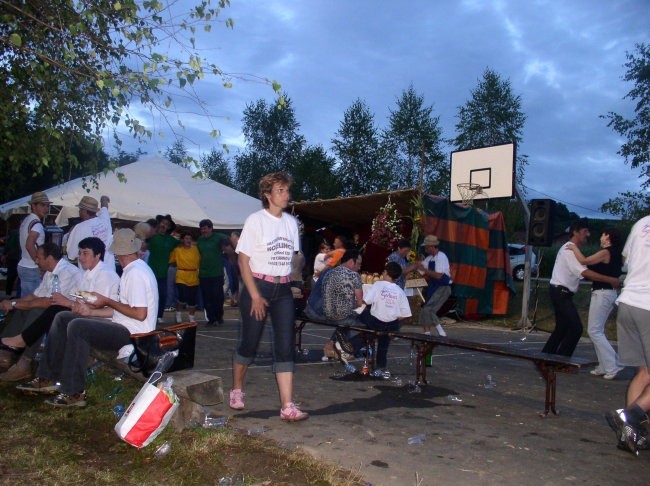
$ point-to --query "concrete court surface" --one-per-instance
(493, 436)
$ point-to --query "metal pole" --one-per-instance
(524, 322)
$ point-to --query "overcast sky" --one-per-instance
(564, 58)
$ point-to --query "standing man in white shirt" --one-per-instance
(435, 267)
(565, 280)
(32, 235)
(633, 332)
(95, 222)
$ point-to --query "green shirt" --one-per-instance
(160, 247)
(211, 255)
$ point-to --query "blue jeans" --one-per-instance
(602, 303)
(371, 322)
(281, 311)
(30, 279)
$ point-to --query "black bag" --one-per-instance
(150, 347)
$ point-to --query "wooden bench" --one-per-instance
(548, 365)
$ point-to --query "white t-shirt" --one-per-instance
(388, 301)
(99, 227)
(102, 280)
(26, 259)
(269, 242)
(319, 264)
(442, 263)
(636, 290)
(69, 279)
(567, 270)
(138, 288)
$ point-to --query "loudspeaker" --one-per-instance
(540, 228)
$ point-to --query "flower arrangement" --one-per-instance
(385, 226)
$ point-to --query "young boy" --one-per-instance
(388, 305)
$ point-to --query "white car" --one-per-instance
(518, 259)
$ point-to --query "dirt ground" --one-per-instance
(472, 434)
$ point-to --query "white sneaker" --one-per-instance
(597, 372)
(179, 318)
(441, 331)
(612, 375)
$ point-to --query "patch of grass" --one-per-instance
(44, 445)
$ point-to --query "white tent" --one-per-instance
(152, 186)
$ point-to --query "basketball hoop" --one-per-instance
(468, 191)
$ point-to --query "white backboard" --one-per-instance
(492, 167)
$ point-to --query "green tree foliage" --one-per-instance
(313, 176)
(215, 166)
(491, 116)
(414, 132)
(636, 132)
(70, 69)
(360, 168)
(178, 154)
(272, 143)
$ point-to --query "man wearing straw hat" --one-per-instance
(32, 235)
(95, 223)
(435, 269)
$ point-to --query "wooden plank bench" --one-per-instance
(548, 365)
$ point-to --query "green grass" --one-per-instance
(44, 445)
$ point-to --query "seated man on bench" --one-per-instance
(336, 294)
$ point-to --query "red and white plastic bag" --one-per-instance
(149, 412)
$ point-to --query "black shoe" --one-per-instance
(211, 324)
(626, 434)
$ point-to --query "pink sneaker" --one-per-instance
(237, 399)
(292, 413)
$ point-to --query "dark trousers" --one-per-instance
(68, 346)
(162, 295)
(12, 276)
(35, 331)
(568, 327)
(212, 293)
(371, 322)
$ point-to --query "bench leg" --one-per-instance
(550, 378)
(423, 350)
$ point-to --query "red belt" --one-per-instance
(272, 279)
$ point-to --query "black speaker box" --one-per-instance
(540, 229)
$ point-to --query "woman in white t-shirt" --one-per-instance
(265, 249)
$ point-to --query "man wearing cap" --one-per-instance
(32, 235)
(95, 222)
(211, 271)
(435, 267)
(106, 324)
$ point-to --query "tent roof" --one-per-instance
(153, 186)
(354, 210)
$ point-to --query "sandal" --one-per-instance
(15, 351)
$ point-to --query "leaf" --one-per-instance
(16, 40)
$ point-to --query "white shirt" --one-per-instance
(319, 264)
(442, 263)
(102, 280)
(636, 291)
(567, 270)
(99, 227)
(269, 242)
(69, 279)
(138, 288)
(388, 301)
(26, 259)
